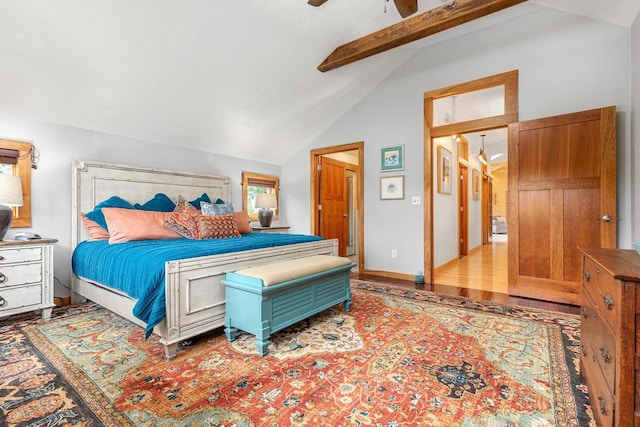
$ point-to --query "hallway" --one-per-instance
(484, 269)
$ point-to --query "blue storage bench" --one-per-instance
(262, 300)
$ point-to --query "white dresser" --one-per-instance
(26, 276)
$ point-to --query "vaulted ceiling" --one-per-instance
(236, 77)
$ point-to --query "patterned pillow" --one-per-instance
(216, 208)
(182, 220)
(217, 227)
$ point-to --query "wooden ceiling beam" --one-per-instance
(415, 28)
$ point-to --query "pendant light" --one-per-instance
(482, 156)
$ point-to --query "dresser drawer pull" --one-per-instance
(584, 350)
(1, 258)
(3, 302)
(587, 276)
(608, 301)
(585, 314)
(605, 355)
(3, 278)
(603, 405)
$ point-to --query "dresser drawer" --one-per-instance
(605, 291)
(20, 297)
(20, 274)
(599, 395)
(10, 256)
(597, 340)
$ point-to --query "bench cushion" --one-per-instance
(278, 272)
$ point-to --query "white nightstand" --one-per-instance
(26, 276)
(272, 229)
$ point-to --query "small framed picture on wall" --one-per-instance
(392, 158)
(475, 173)
(444, 170)
(392, 187)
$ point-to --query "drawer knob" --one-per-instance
(584, 350)
(603, 405)
(1, 258)
(585, 314)
(587, 276)
(608, 301)
(605, 355)
(3, 302)
(3, 278)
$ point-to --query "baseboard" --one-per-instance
(447, 264)
(387, 274)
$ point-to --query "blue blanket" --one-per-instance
(137, 268)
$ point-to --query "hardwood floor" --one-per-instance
(481, 275)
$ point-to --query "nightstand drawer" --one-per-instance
(20, 274)
(20, 297)
(10, 256)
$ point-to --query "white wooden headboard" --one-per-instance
(93, 182)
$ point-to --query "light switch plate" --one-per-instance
(415, 200)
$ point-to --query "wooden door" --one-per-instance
(334, 215)
(463, 216)
(562, 190)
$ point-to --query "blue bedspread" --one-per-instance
(137, 268)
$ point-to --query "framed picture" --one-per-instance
(392, 187)
(475, 173)
(444, 170)
(392, 158)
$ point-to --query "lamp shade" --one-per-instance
(10, 190)
(266, 201)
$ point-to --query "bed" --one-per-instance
(194, 298)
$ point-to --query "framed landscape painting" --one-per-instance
(392, 158)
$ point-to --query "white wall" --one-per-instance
(566, 64)
(635, 127)
(51, 181)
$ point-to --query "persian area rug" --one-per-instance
(399, 358)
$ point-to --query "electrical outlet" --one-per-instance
(394, 253)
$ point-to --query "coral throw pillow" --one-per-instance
(130, 224)
(243, 222)
(96, 232)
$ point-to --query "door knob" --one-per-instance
(605, 218)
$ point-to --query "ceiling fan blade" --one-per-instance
(316, 3)
(406, 7)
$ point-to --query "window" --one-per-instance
(15, 159)
(254, 184)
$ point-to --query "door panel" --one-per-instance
(333, 198)
(563, 182)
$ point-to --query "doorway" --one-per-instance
(337, 198)
(445, 117)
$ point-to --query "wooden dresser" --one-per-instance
(610, 334)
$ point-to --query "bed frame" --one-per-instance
(195, 298)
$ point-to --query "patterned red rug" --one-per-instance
(399, 358)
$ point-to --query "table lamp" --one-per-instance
(265, 202)
(10, 195)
